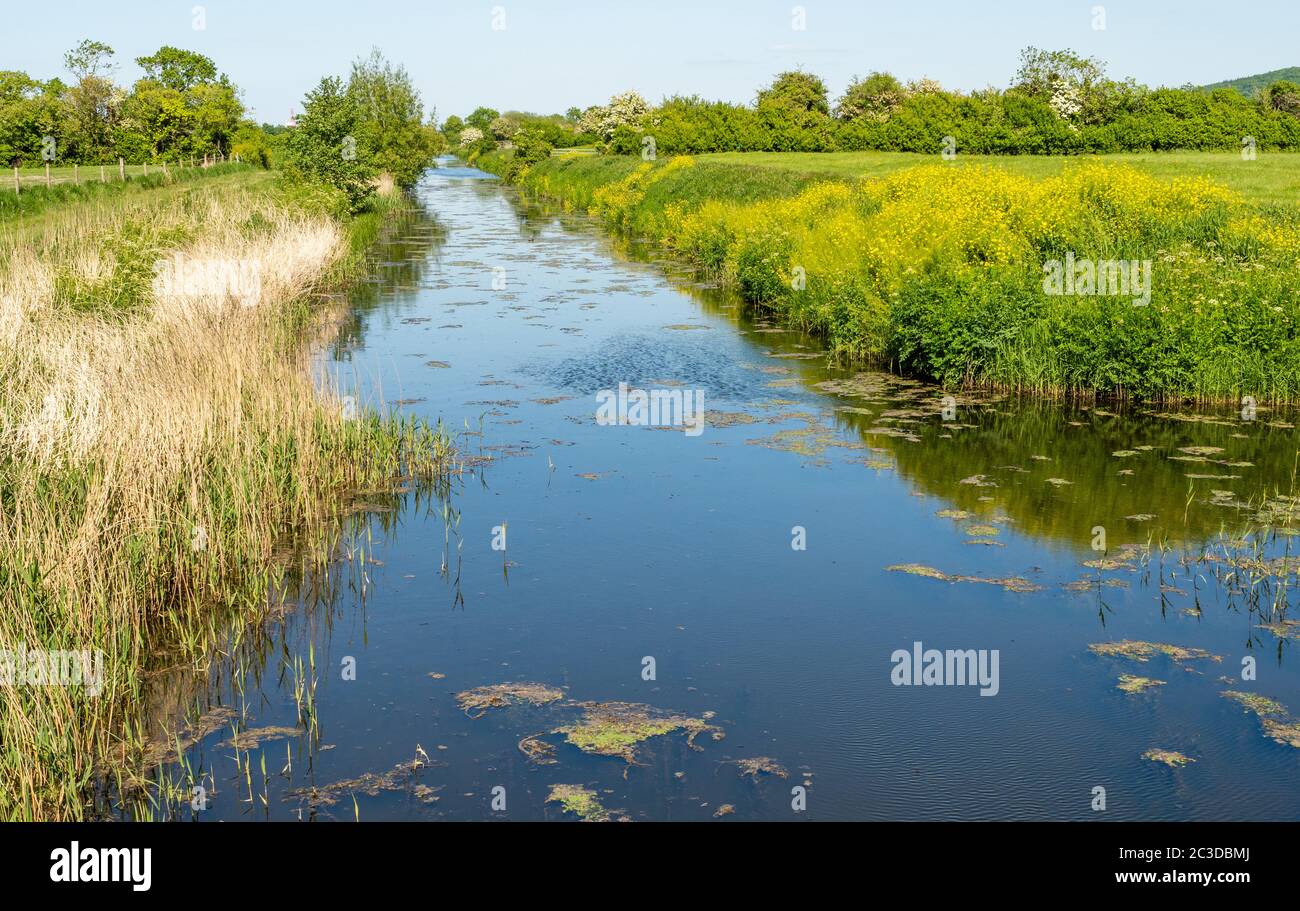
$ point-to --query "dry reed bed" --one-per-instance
(154, 448)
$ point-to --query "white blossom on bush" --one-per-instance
(624, 109)
(1066, 101)
(470, 135)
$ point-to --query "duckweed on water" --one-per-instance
(618, 728)
(580, 801)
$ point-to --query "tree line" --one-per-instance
(181, 108)
(1058, 103)
(351, 131)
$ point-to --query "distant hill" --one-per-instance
(1249, 85)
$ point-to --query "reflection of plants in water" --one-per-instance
(212, 691)
(409, 241)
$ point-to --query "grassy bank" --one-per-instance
(36, 197)
(167, 457)
(945, 270)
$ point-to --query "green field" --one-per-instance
(1273, 177)
(35, 177)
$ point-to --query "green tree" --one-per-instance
(21, 117)
(798, 91)
(329, 144)
(451, 128)
(92, 102)
(178, 69)
(391, 118)
(875, 97)
(482, 119)
(1042, 73)
(1284, 96)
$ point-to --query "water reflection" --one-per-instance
(504, 317)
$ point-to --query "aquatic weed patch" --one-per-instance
(1010, 583)
(1132, 684)
(580, 801)
(478, 701)
(1171, 758)
(1143, 651)
(620, 728)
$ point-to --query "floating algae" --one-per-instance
(760, 765)
(247, 740)
(617, 728)
(810, 442)
(371, 784)
(1122, 559)
(1131, 684)
(1171, 758)
(163, 750)
(537, 750)
(1253, 702)
(1142, 651)
(580, 801)
(983, 531)
(1088, 583)
(501, 695)
(1284, 732)
(1283, 629)
(1010, 583)
(725, 810)
(720, 419)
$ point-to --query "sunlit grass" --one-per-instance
(164, 459)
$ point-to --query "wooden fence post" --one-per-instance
(121, 168)
(76, 173)
(101, 174)
(18, 182)
(47, 175)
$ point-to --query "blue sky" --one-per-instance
(552, 54)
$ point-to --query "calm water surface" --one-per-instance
(627, 542)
